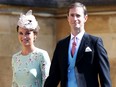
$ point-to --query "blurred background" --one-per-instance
(52, 18)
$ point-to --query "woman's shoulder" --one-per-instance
(17, 54)
(38, 50)
(43, 53)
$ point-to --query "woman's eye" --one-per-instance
(27, 33)
(20, 33)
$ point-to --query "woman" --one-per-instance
(31, 64)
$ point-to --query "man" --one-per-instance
(88, 65)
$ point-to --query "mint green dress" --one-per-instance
(30, 70)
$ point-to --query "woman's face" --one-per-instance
(26, 37)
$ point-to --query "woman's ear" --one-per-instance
(35, 37)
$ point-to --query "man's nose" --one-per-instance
(75, 18)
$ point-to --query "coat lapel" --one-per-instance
(65, 52)
(83, 44)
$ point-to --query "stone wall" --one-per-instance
(104, 26)
(98, 25)
(9, 43)
(52, 30)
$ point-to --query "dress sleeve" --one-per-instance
(14, 84)
(45, 66)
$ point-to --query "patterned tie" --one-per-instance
(73, 47)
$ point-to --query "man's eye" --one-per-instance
(77, 15)
(72, 15)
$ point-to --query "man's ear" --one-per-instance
(86, 17)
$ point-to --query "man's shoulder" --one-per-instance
(65, 39)
(92, 37)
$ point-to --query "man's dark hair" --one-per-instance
(78, 4)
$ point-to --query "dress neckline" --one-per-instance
(28, 53)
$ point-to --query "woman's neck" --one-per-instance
(27, 50)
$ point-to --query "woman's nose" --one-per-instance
(24, 36)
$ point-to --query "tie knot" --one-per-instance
(74, 43)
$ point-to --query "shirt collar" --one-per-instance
(79, 36)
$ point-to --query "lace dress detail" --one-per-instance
(30, 70)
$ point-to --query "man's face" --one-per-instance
(76, 19)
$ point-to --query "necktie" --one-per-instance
(73, 47)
